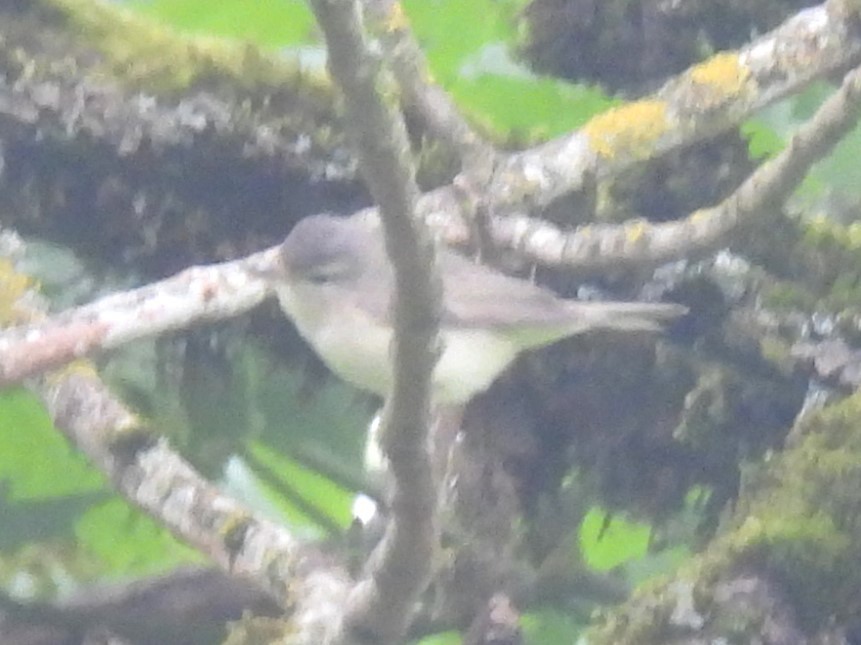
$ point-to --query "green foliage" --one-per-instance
(315, 489)
(332, 419)
(443, 638)
(762, 140)
(268, 23)
(450, 31)
(837, 175)
(606, 542)
(289, 435)
(551, 627)
(36, 462)
(56, 506)
(466, 44)
(126, 542)
(527, 109)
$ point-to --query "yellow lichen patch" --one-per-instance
(396, 18)
(822, 230)
(700, 215)
(13, 286)
(77, 367)
(635, 230)
(718, 78)
(629, 130)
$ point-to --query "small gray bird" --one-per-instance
(334, 280)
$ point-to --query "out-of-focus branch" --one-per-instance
(189, 604)
(145, 471)
(641, 242)
(62, 99)
(382, 604)
(194, 295)
(118, 126)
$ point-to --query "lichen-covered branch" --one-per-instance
(382, 604)
(142, 468)
(193, 296)
(705, 100)
(641, 242)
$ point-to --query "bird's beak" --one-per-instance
(269, 268)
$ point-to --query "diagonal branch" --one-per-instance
(143, 469)
(703, 101)
(192, 296)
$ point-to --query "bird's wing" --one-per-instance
(477, 296)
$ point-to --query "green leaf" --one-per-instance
(606, 544)
(443, 638)
(321, 493)
(36, 461)
(52, 490)
(268, 23)
(529, 108)
(550, 627)
(449, 31)
(762, 139)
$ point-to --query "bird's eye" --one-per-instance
(325, 273)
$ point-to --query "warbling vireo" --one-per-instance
(334, 280)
